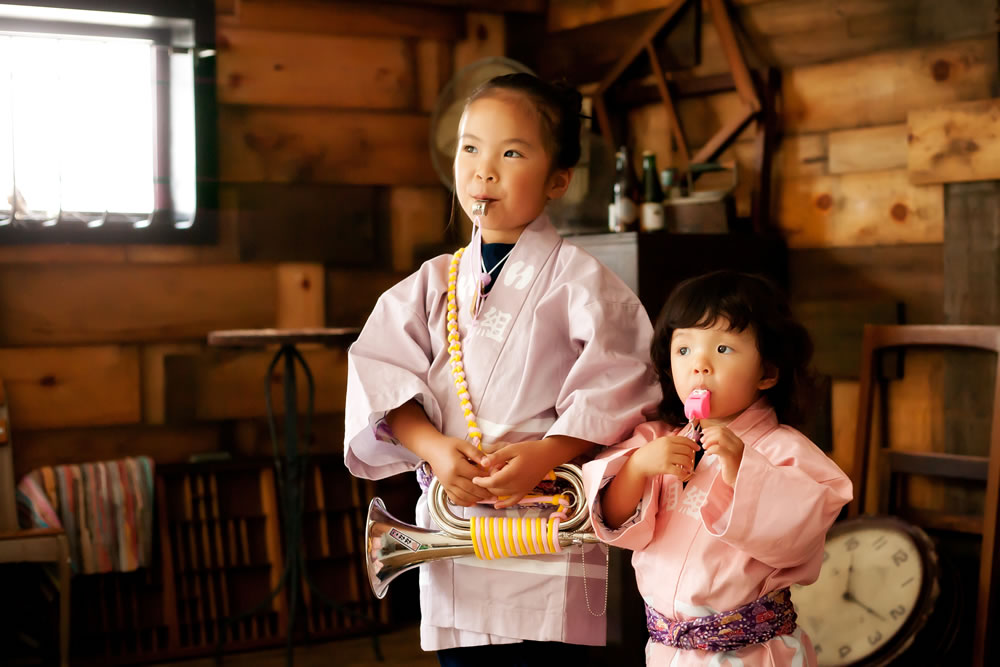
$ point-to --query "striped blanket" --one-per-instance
(105, 508)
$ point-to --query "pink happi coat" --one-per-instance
(561, 347)
(708, 547)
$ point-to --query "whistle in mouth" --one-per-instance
(697, 404)
(479, 208)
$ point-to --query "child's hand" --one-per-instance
(667, 455)
(513, 471)
(722, 442)
(455, 463)
(491, 448)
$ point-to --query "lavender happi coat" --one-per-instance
(561, 347)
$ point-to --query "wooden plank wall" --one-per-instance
(327, 188)
(865, 234)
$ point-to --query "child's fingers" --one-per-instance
(467, 470)
(682, 459)
(680, 441)
(470, 452)
(491, 447)
(504, 477)
(468, 491)
(460, 497)
(499, 457)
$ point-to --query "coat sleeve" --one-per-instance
(787, 495)
(637, 532)
(387, 366)
(610, 388)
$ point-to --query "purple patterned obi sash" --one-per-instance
(754, 623)
(424, 476)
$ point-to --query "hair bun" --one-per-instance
(571, 96)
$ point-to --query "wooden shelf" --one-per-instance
(219, 548)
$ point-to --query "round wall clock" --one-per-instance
(875, 591)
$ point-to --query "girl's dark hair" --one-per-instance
(557, 103)
(747, 302)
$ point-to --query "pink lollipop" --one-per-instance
(697, 404)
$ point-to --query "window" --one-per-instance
(98, 139)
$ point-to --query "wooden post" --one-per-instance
(765, 141)
(971, 296)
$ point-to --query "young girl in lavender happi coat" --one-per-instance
(718, 540)
(521, 343)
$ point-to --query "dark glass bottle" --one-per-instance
(651, 211)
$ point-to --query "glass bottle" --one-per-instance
(651, 211)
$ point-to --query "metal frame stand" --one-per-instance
(291, 474)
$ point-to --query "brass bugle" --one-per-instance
(393, 547)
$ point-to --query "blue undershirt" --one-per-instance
(492, 253)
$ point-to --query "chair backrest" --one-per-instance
(881, 337)
(953, 466)
(8, 498)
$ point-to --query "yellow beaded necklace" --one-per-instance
(455, 350)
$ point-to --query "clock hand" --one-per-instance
(850, 598)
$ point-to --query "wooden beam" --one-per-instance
(337, 224)
(726, 135)
(485, 37)
(59, 387)
(324, 146)
(301, 296)
(793, 33)
(844, 416)
(836, 327)
(972, 254)
(418, 217)
(252, 437)
(765, 139)
(516, 6)
(81, 445)
(435, 65)
(154, 379)
(801, 156)
(74, 304)
(881, 89)
(569, 14)
(639, 44)
(955, 143)
(868, 208)
(971, 296)
(61, 253)
(734, 56)
(351, 295)
(585, 54)
(224, 384)
(867, 149)
(308, 70)
(911, 274)
(356, 19)
(668, 105)
(704, 117)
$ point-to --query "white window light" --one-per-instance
(97, 124)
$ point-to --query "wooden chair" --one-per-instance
(892, 464)
(41, 545)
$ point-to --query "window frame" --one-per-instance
(180, 25)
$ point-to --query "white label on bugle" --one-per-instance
(404, 539)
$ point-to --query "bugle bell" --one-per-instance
(393, 546)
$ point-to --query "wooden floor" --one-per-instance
(401, 647)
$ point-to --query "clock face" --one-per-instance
(868, 587)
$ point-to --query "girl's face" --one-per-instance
(727, 363)
(502, 159)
